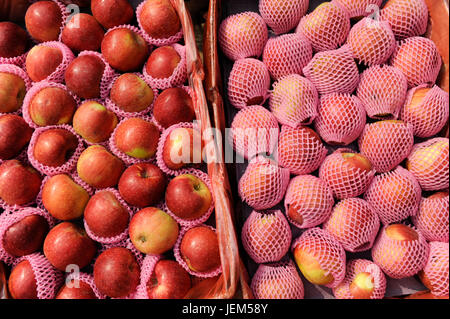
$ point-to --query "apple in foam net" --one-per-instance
(188, 197)
(22, 281)
(142, 185)
(362, 286)
(42, 61)
(99, 168)
(183, 146)
(52, 106)
(111, 13)
(83, 291)
(105, 215)
(68, 244)
(43, 20)
(54, 147)
(309, 265)
(153, 231)
(159, 19)
(13, 40)
(162, 62)
(19, 183)
(83, 76)
(131, 94)
(25, 236)
(200, 249)
(173, 106)
(63, 198)
(82, 32)
(94, 122)
(14, 135)
(12, 92)
(169, 281)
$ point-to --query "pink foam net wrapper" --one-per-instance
(193, 222)
(127, 159)
(326, 27)
(382, 90)
(407, 18)
(266, 236)
(432, 218)
(119, 237)
(360, 8)
(400, 258)
(87, 279)
(282, 16)
(108, 73)
(418, 59)
(436, 269)
(9, 218)
(263, 183)
(327, 251)
(18, 71)
(196, 144)
(177, 78)
(154, 41)
(18, 60)
(309, 201)
(341, 118)
(124, 114)
(35, 89)
(386, 144)
(300, 150)
(294, 100)
(394, 195)
(345, 179)
(67, 57)
(428, 162)
(148, 266)
(48, 278)
(243, 35)
(426, 112)
(333, 71)
(355, 267)
(182, 262)
(254, 130)
(287, 54)
(354, 223)
(68, 166)
(277, 281)
(248, 83)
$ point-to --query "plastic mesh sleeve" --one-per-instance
(148, 266)
(432, 218)
(359, 8)
(282, 16)
(436, 269)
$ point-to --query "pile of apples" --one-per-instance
(357, 163)
(98, 198)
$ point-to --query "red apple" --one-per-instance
(99, 168)
(94, 122)
(131, 94)
(42, 61)
(200, 249)
(173, 106)
(162, 62)
(362, 286)
(14, 135)
(22, 282)
(13, 10)
(124, 49)
(83, 32)
(105, 215)
(188, 197)
(25, 236)
(116, 272)
(84, 291)
(43, 20)
(55, 147)
(68, 244)
(112, 13)
(19, 183)
(83, 76)
(13, 40)
(183, 146)
(159, 19)
(153, 231)
(63, 198)
(169, 281)
(12, 92)
(52, 106)
(137, 138)
(142, 185)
